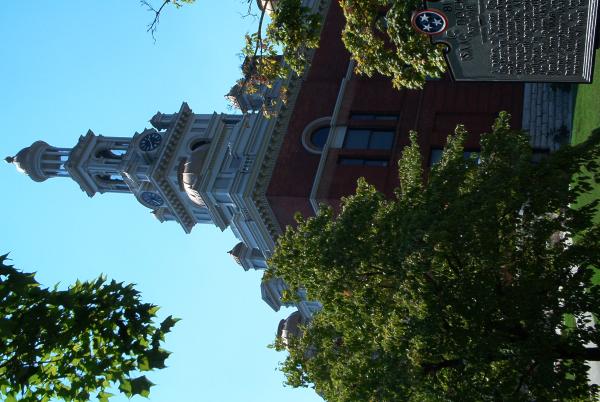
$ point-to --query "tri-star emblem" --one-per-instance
(430, 22)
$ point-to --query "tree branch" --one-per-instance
(154, 24)
(526, 374)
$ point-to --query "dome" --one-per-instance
(237, 251)
(290, 327)
(28, 160)
(192, 171)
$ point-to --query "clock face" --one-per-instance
(150, 142)
(152, 199)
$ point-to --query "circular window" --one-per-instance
(318, 138)
(314, 136)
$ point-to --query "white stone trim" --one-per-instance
(334, 119)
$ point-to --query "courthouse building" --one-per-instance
(251, 174)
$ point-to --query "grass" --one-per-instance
(587, 107)
(586, 118)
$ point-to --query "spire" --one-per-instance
(40, 161)
(237, 251)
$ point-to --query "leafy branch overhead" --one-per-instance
(377, 33)
(78, 343)
(281, 49)
(379, 36)
(457, 288)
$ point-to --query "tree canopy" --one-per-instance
(379, 35)
(281, 49)
(78, 343)
(457, 288)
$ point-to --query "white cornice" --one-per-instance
(334, 123)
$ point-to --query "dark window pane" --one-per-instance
(381, 140)
(365, 116)
(319, 137)
(361, 116)
(376, 162)
(351, 161)
(389, 117)
(357, 139)
(435, 156)
(197, 144)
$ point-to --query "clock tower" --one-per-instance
(188, 168)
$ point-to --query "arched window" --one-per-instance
(315, 134)
(115, 154)
(197, 144)
(110, 178)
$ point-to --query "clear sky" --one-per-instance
(72, 65)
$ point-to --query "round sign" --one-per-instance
(430, 22)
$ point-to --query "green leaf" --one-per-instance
(104, 396)
(126, 387)
(156, 358)
(168, 323)
(141, 386)
(144, 364)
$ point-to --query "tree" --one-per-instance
(456, 289)
(70, 344)
(379, 35)
(153, 25)
(279, 51)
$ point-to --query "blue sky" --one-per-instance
(73, 65)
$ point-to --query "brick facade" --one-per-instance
(433, 112)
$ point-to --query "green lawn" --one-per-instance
(585, 119)
(587, 107)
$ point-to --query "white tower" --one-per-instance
(189, 168)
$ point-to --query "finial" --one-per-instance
(9, 159)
